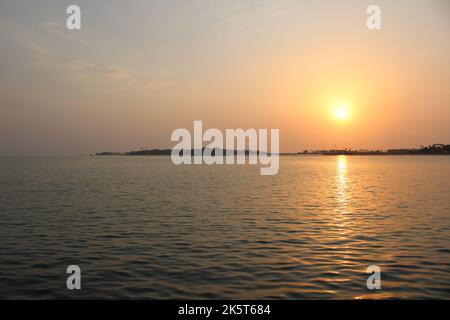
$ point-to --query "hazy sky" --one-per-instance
(139, 69)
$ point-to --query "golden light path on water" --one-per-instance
(344, 221)
(341, 177)
(341, 211)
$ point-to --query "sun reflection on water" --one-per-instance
(341, 216)
(341, 182)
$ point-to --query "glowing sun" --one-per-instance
(342, 112)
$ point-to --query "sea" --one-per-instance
(140, 227)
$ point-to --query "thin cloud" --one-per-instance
(83, 70)
(60, 31)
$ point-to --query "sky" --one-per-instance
(138, 70)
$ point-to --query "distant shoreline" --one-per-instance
(435, 149)
(293, 154)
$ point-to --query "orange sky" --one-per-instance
(134, 74)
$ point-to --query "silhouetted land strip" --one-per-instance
(440, 149)
(435, 149)
(168, 152)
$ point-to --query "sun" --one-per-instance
(342, 112)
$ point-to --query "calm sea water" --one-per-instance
(140, 227)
